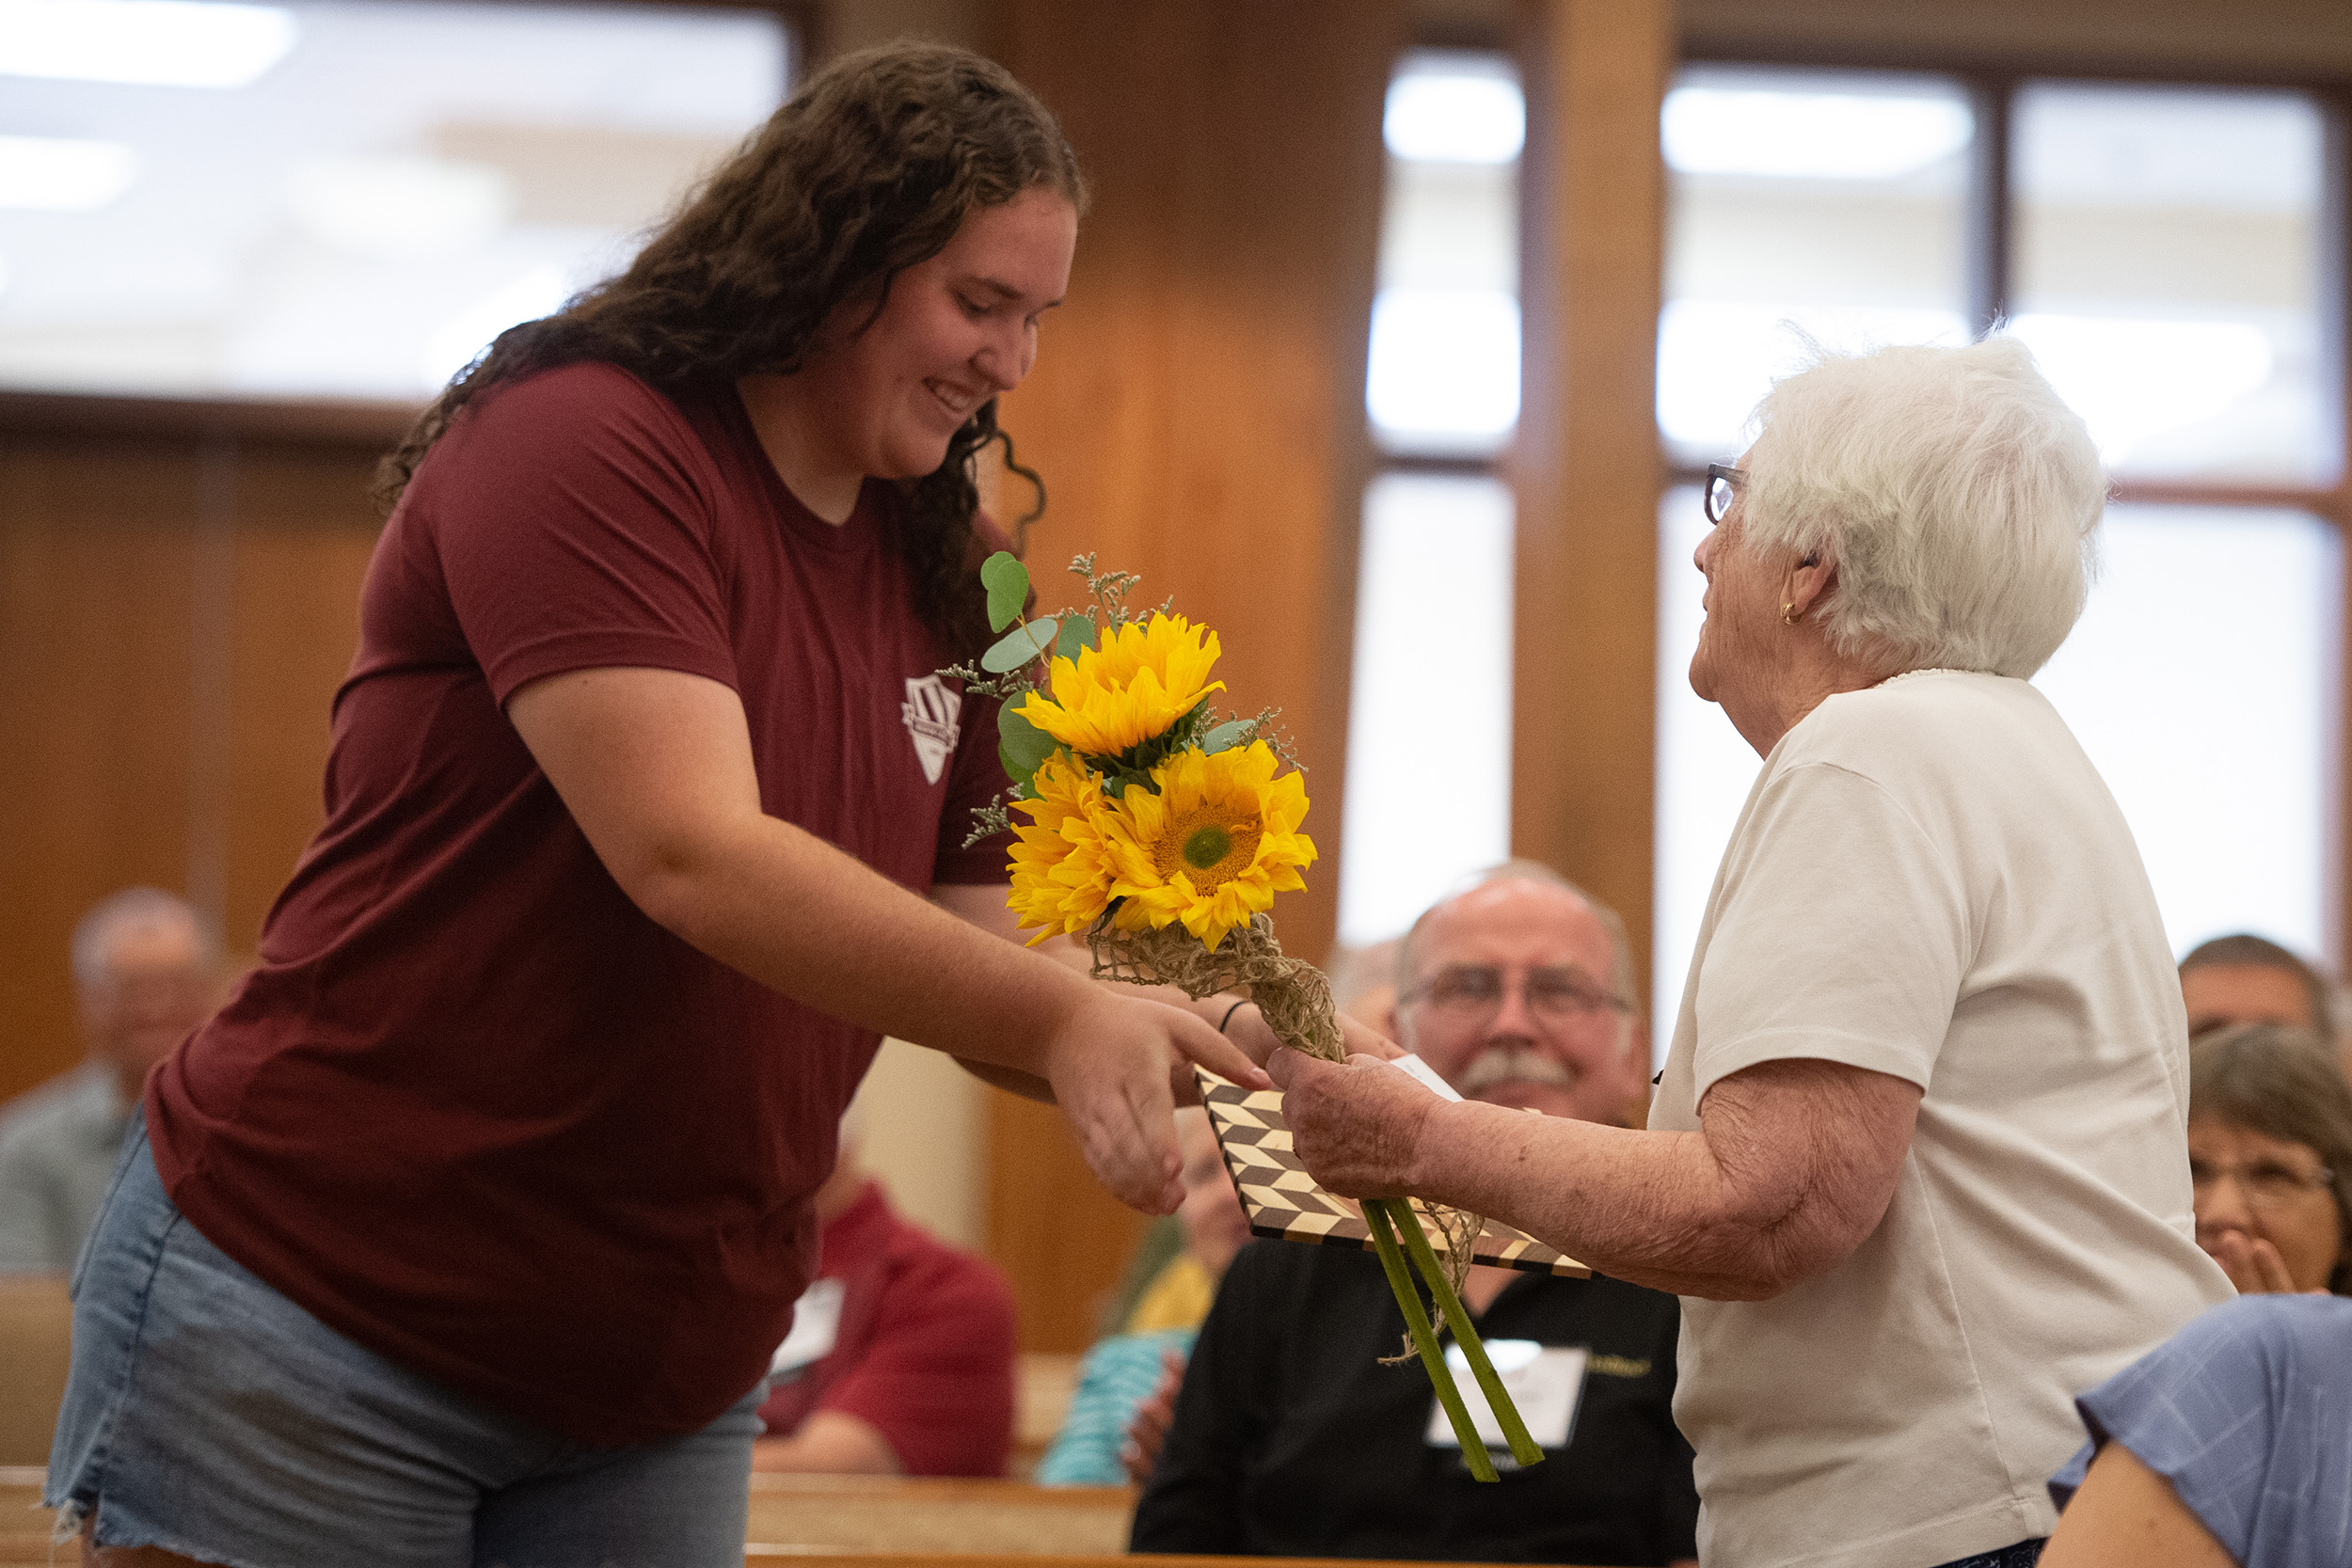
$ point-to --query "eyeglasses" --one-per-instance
(2266, 1183)
(1722, 483)
(1472, 992)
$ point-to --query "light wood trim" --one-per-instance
(960, 1560)
(1586, 464)
(1197, 414)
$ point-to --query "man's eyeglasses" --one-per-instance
(1722, 483)
(1465, 992)
(2266, 1183)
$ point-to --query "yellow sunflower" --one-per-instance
(1128, 690)
(1061, 868)
(1214, 847)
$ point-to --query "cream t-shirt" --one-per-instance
(1928, 880)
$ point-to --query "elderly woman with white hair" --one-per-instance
(1917, 1162)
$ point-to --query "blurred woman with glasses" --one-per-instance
(2270, 1159)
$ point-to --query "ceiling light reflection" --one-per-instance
(399, 208)
(170, 43)
(50, 175)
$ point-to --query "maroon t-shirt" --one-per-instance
(475, 1109)
(924, 1351)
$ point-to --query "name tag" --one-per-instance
(1545, 1382)
(1425, 1075)
(816, 1325)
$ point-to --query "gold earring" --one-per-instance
(1788, 616)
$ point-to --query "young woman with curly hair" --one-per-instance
(464, 1232)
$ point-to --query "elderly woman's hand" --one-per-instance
(1356, 1125)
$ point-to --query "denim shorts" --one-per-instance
(209, 1415)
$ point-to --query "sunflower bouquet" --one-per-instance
(1159, 831)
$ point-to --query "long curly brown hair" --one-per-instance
(868, 170)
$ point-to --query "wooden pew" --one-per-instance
(925, 1515)
(754, 1557)
(853, 1515)
(848, 1522)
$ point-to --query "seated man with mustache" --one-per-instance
(1292, 1439)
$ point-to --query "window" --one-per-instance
(2160, 247)
(1432, 609)
(338, 198)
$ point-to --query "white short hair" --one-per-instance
(1959, 496)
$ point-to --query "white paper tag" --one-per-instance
(1425, 1075)
(1545, 1382)
(816, 1325)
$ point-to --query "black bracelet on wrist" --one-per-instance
(1228, 1014)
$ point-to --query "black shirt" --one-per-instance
(1292, 1440)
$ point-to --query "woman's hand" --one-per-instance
(1117, 1067)
(1356, 1125)
(2253, 1266)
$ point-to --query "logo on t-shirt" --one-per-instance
(931, 712)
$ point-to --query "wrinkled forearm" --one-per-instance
(1655, 1208)
(1793, 1167)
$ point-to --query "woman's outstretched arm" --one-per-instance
(655, 767)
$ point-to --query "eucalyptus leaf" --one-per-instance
(1021, 744)
(1008, 584)
(1018, 645)
(1226, 735)
(1077, 633)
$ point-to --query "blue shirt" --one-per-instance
(1117, 1375)
(2247, 1412)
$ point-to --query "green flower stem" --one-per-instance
(1425, 1339)
(1523, 1447)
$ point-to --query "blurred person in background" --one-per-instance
(901, 1358)
(1122, 1373)
(1288, 1436)
(2229, 1444)
(147, 971)
(2250, 979)
(2270, 1158)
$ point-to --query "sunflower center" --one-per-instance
(1208, 845)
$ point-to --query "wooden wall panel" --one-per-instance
(305, 531)
(176, 609)
(1197, 414)
(96, 545)
(1586, 468)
